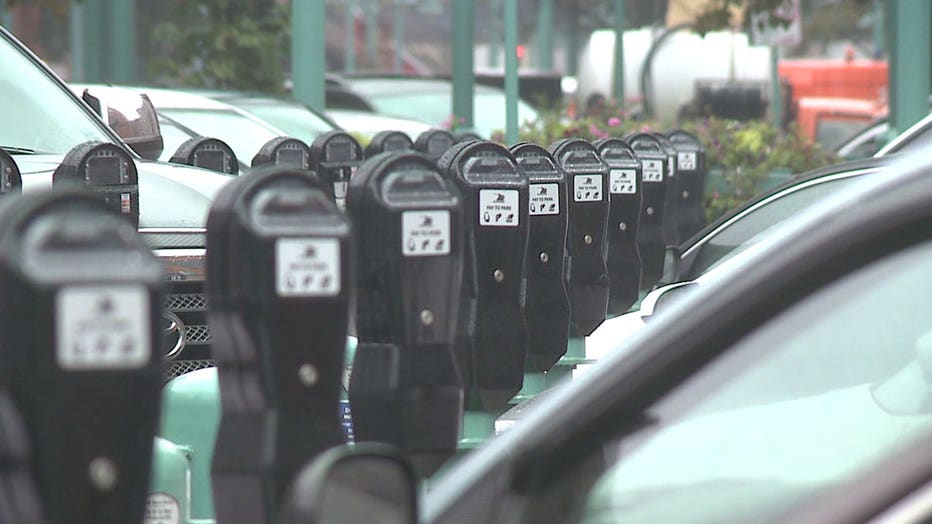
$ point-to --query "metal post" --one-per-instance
(544, 57)
(77, 42)
(909, 61)
(880, 44)
(6, 17)
(94, 52)
(511, 71)
(776, 93)
(618, 84)
(463, 75)
(399, 35)
(372, 29)
(495, 40)
(308, 61)
(349, 45)
(122, 41)
(571, 15)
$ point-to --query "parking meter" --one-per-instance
(80, 313)
(11, 180)
(434, 143)
(279, 283)
(671, 206)
(650, 234)
(18, 490)
(405, 389)
(284, 151)
(336, 157)
(107, 171)
(587, 243)
(547, 309)
(467, 136)
(624, 191)
(208, 153)
(691, 173)
(388, 141)
(491, 342)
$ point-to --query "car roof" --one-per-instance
(396, 86)
(802, 256)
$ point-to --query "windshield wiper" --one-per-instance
(13, 150)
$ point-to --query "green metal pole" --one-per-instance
(94, 52)
(349, 46)
(122, 41)
(511, 71)
(77, 41)
(571, 15)
(308, 62)
(776, 93)
(880, 44)
(372, 28)
(495, 34)
(618, 83)
(6, 18)
(909, 61)
(544, 59)
(464, 76)
(399, 36)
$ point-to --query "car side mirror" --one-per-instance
(661, 298)
(131, 115)
(671, 262)
(364, 483)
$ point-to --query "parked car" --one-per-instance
(791, 389)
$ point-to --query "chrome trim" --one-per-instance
(173, 230)
(915, 507)
(175, 329)
(184, 265)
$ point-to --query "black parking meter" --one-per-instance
(547, 310)
(491, 342)
(284, 151)
(691, 173)
(208, 153)
(467, 136)
(587, 242)
(405, 389)
(671, 206)
(434, 143)
(624, 191)
(279, 282)
(650, 235)
(107, 171)
(388, 141)
(80, 313)
(336, 157)
(11, 181)
(18, 490)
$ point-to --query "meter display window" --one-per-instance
(107, 170)
(291, 157)
(211, 159)
(339, 151)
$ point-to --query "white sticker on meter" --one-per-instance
(686, 161)
(425, 233)
(102, 327)
(652, 170)
(162, 508)
(587, 188)
(307, 267)
(622, 181)
(498, 207)
(545, 199)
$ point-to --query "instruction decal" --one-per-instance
(307, 267)
(498, 207)
(545, 199)
(587, 188)
(623, 181)
(425, 233)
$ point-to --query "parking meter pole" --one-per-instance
(307, 49)
(511, 71)
(80, 316)
(349, 30)
(279, 286)
(618, 81)
(463, 22)
(575, 356)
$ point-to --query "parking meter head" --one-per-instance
(492, 335)
(207, 153)
(587, 243)
(106, 170)
(336, 156)
(280, 284)
(385, 141)
(624, 190)
(691, 169)
(81, 308)
(284, 151)
(405, 388)
(434, 142)
(547, 309)
(467, 136)
(651, 236)
(11, 181)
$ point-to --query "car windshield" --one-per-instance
(747, 229)
(295, 120)
(47, 119)
(241, 133)
(813, 398)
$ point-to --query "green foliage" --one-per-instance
(227, 44)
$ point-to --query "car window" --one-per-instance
(830, 132)
(812, 398)
(47, 119)
(736, 236)
(172, 138)
(242, 134)
(918, 142)
(296, 121)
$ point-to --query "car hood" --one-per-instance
(170, 196)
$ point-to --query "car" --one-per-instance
(366, 125)
(791, 389)
(917, 137)
(865, 143)
(430, 100)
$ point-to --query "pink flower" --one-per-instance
(614, 121)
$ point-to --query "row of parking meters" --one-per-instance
(460, 273)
